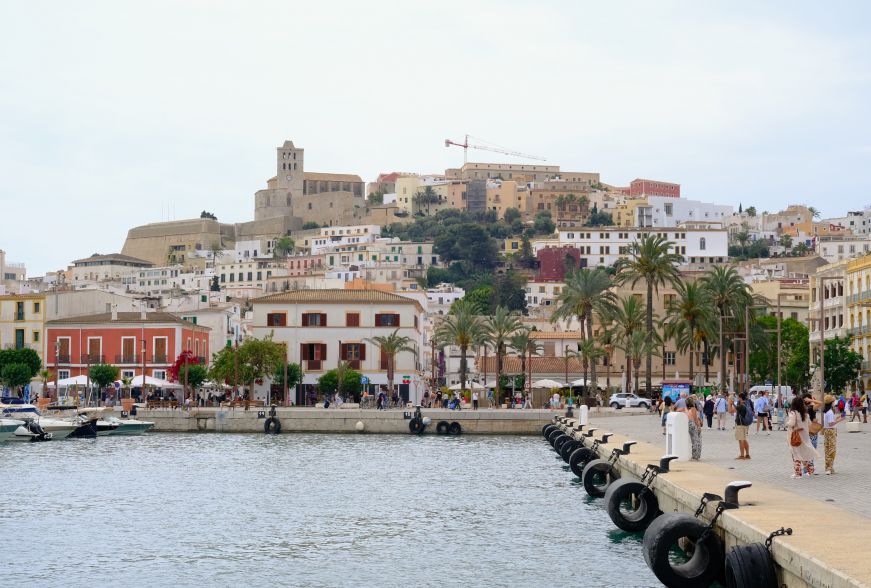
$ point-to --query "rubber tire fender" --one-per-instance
(595, 470)
(548, 429)
(553, 435)
(567, 449)
(272, 425)
(559, 441)
(415, 426)
(442, 427)
(622, 490)
(750, 566)
(706, 563)
(544, 429)
(579, 459)
(455, 429)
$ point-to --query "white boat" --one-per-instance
(59, 428)
(31, 431)
(8, 428)
(129, 426)
(104, 427)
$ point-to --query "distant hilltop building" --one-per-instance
(639, 187)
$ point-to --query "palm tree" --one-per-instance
(523, 343)
(627, 318)
(126, 382)
(587, 353)
(636, 346)
(391, 345)
(463, 328)
(730, 294)
(586, 292)
(283, 246)
(651, 260)
(815, 213)
(742, 239)
(786, 241)
(691, 308)
(44, 375)
(498, 330)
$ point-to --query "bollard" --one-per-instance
(584, 415)
(664, 461)
(677, 436)
(627, 446)
(590, 432)
(731, 493)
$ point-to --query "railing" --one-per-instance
(158, 358)
(93, 358)
(63, 358)
(129, 358)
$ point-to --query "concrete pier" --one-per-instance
(822, 551)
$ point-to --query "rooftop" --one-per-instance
(324, 177)
(114, 257)
(333, 296)
(126, 317)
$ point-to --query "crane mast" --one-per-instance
(466, 146)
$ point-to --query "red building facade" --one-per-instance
(73, 344)
(640, 188)
(555, 262)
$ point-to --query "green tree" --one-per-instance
(637, 346)
(793, 353)
(479, 299)
(468, 243)
(498, 330)
(196, 374)
(526, 346)
(842, 364)
(751, 211)
(225, 367)
(463, 328)
(392, 345)
(588, 353)
(283, 246)
(26, 357)
(103, 374)
(815, 213)
(376, 198)
(294, 375)
(261, 357)
(15, 375)
(511, 215)
(652, 261)
(351, 382)
(686, 317)
(209, 215)
(543, 223)
(730, 295)
(742, 239)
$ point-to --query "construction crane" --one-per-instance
(491, 147)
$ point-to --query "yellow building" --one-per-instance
(22, 322)
(858, 299)
(507, 194)
(625, 214)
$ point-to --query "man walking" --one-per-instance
(720, 407)
(743, 411)
(762, 407)
(475, 400)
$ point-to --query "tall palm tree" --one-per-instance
(525, 345)
(729, 294)
(742, 239)
(652, 261)
(627, 318)
(586, 292)
(463, 328)
(815, 213)
(391, 345)
(498, 330)
(786, 241)
(685, 316)
(587, 353)
(636, 346)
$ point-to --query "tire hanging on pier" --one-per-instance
(631, 506)
(553, 436)
(560, 441)
(442, 427)
(579, 459)
(567, 449)
(750, 566)
(705, 564)
(598, 474)
(455, 429)
(272, 425)
(416, 426)
(545, 430)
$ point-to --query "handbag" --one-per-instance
(814, 428)
(795, 438)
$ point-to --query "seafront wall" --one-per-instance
(344, 420)
(817, 554)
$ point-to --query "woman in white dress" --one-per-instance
(803, 454)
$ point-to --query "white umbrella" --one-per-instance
(468, 386)
(547, 383)
(156, 382)
(579, 382)
(81, 380)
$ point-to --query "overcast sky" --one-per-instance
(115, 114)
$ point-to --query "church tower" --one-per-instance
(289, 168)
(277, 199)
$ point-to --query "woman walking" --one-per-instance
(695, 426)
(722, 409)
(798, 425)
(830, 433)
(666, 408)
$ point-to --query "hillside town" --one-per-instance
(330, 266)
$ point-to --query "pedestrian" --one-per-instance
(528, 402)
(762, 407)
(475, 400)
(681, 404)
(863, 403)
(830, 433)
(709, 411)
(695, 426)
(490, 400)
(743, 411)
(803, 453)
(855, 406)
(721, 409)
(598, 400)
(667, 407)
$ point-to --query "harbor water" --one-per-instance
(304, 510)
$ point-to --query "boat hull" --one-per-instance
(132, 428)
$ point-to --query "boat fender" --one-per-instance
(579, 459)
(750, 566)
(415, 426)
(545, 428)
(598, 474)
(560, 441)
(272, 425)
(455, 429)
(636, 495)
(567, 449)
(442, 427)
(706, 562)
(553, 435)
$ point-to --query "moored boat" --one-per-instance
(129, 426)
(8, 428)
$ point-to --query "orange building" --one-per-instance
(118, 338)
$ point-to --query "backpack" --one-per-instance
(748, 414)
(841, 405)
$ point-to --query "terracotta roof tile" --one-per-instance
(126, 318)
(324, 177)
(335, 295)
(540, 365)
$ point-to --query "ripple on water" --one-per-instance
(304, 510)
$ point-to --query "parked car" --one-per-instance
(621, 400)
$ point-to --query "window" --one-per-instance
(63, 374)
(19, 311)
(35, 336)
(36, 307)
(276, 319)
(314, 319)
(353, 353)
(352, 319)
(701, 243)
(159, 374)
(386, 320)
(669, 358)
(669, 209)
(19, 337)
(313, 354)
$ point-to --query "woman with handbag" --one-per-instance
(803, 453)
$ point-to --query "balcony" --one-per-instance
(313, 365)
(63, 358)
(158, 358)
(128, 359)
(93, 358)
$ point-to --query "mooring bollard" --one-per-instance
(677, 436)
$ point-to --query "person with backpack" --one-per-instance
(721, 409)
(743, 410)
(708, 410)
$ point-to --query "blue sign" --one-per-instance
(674, 390)
(27, 393)
(364, 380)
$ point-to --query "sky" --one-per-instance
(117, 114)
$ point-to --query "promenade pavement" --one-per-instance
(848, 488)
